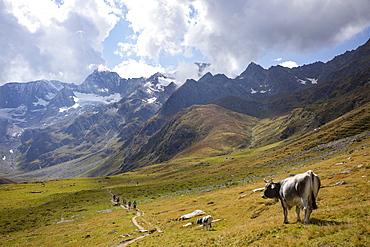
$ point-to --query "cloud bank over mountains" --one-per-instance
(65, 40)
(41, 39)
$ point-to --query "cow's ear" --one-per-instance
(265, 181)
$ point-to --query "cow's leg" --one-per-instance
(307, 215)
(297, 210)
(286, 216)
(307, 210)
(285, 209)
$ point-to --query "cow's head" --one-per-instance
(271, 190)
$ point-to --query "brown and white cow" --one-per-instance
(300, 191)
(206, 221)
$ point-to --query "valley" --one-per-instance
(79, 211)
(204, 145)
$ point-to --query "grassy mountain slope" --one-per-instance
(198, 131)
(78, 212)
(6, 181)
(276, 118)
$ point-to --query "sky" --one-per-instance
(67, 40)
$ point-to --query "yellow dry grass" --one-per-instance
(221, 186)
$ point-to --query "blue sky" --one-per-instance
(325, 54)
(67, 39)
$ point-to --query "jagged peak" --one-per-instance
(251, 68)
(156, 75)
(103, 72)
(254, 66)
(205, 77)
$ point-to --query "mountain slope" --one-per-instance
(198, 131)
(223, 187)
(99, 135)
(255, 83)
(81, 142)
(281, 115)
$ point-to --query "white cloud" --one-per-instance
(231, 35)
(186, 71)
(134, 69)
(125, 49)
(289, 64)
(41, 39)
(160, 25)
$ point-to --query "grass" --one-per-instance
(221, 186)
(79, 211)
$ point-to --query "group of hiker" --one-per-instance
(126, 203)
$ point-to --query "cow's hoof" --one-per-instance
(286, 222)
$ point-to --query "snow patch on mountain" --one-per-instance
(13, 113)
(49, 96)
(261, 91)
(312, 80)
(164, 82)
(83, 99)
(40, 102)
(103, 90)
(87, 98)
(303, 82)
(150, 100)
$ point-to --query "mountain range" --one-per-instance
(109, 125)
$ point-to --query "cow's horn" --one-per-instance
(265, 181)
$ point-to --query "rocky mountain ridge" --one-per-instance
(103, 105)
(108, 124)
(339, 87)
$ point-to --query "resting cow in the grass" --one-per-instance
(300, 191)
(206, 221)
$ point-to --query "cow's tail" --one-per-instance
(314, 205)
